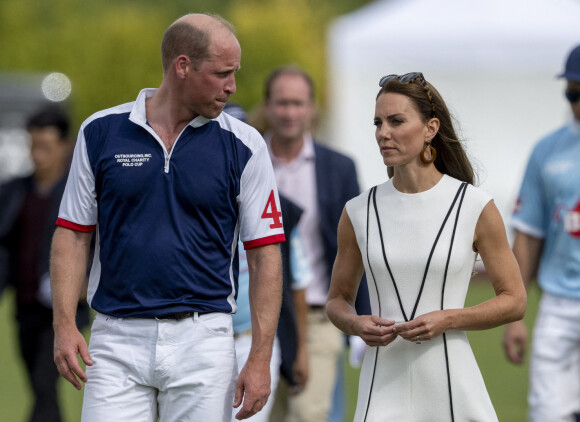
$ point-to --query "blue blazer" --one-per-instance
(336, 183)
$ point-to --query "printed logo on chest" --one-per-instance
(572, 221)
(570, 218)
(132, 160)
(559, 167)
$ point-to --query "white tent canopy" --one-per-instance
(494, 62)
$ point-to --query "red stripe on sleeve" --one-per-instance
(74, 226)
(277, 238)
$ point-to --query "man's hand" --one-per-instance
(515, 338)
(67, 345)
(68, 268)
(253, 387)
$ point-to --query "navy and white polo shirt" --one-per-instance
(167, 224)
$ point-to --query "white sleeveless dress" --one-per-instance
(437, 380)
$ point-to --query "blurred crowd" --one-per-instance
(314, 182)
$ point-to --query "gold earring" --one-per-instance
(432, 153)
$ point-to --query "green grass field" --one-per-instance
(506, 383)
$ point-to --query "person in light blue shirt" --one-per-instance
(547, 244)
(289, 346)
(242, 322)
(301, 275)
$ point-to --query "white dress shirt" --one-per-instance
(296, 180)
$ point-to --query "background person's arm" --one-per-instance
(301, 369)
(253, 384)
(527, 250)
(68, 268)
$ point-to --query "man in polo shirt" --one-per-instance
(547, 245)
(168, 183)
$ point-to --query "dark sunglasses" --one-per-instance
(572, 95)
(410, 78)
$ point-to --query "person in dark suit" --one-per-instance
(29, 210)
(320, 181)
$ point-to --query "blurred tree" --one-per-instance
(110, 49)
(279, 32)
(274, 33)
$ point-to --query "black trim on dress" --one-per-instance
(372, 194)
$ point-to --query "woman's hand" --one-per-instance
(424, 327)
(374, 330)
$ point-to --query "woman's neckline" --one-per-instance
(437, 182)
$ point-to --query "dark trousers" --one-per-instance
(36, 338)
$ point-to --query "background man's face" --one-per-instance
(575, 86)
(289, 109)
(47, 149)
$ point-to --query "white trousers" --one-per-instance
(148, 369)
(243, 344)
(555, 364)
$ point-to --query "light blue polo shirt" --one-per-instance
(301, 276)
(548, 208)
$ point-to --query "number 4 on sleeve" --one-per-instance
(271, 211)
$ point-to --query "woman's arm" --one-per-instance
(346, 275)
(509, 303)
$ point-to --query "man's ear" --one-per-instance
(182, 65)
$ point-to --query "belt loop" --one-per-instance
(195, 316)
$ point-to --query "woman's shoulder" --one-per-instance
(362, 199)
(472, 190)
(357, 207)
(478, 195)
(357, 202)
(475, 198)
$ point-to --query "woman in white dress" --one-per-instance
(417, 237)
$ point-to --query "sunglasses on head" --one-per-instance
(410, 78)
(573, 95)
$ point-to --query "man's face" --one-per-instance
(289, 109)
(48, 151)
(574, 86)
(209, 86)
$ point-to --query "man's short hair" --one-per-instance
(50, 116)
(185, 38)
(287, 70)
